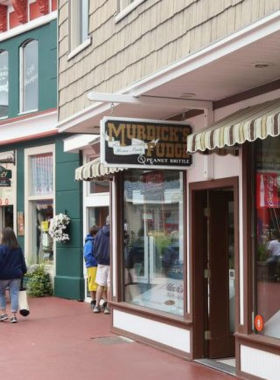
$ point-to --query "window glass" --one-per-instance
(4, 84)
(125, 3)
(78, 22)
(30, 77)
(42, 174)
(99, 187)
(97, 216)
(42, 252)
(153, 240)
(267, 232)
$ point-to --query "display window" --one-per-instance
(267, 236)
(39, 205)
(42, 241)
(42, 174)
(154, 239)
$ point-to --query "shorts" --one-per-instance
(91, 274)
(103, 275)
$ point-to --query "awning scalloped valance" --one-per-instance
(247, 124)
(95, 170)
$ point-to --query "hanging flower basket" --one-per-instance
(59, 227)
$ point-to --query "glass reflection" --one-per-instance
(153, 239)
(267, 227)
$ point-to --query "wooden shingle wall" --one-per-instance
(155, 34)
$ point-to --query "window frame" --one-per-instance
(84, 40)
(124, 11)
(29, 199)
(91, 200)
(255, 296)
(166, 316)
(21, 78)
(1, 52)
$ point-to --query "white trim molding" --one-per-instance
(36, 23)
(149, 101)
(79, 48)
(28, 127)
(126, 10)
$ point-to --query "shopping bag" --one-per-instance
(23, 302)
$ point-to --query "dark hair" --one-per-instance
(9, 238)
(93, 230)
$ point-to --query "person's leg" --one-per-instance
(3, 312)
(14, 286)
(91, 272)
(271, 267)
(108, 279)
(101, 281)
(99, 294)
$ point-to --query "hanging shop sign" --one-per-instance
(5, 177)
(141, 143)
(7, 157)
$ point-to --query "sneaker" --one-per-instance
(107, 310)
(13, 320)
(96, 309)
(3, 317)
(92, 304)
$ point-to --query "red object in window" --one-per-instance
(259, 323)
(267, 190)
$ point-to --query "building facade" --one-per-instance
(40, 180)
(195, 267)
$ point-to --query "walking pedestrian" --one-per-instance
(12, 269)
(102, 255)
(91, 263)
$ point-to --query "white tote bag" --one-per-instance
(23, 303)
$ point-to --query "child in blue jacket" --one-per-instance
(91, 263)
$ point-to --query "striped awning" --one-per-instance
(95, 170)
(247, 124)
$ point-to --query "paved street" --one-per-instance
(63, 339)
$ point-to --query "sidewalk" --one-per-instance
(63, 339)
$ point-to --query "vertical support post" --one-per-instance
(208, 160)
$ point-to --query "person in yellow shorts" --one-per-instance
(91, 263)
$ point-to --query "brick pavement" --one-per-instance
(60, 340)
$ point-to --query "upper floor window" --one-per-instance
(125, 3)
(29, 76)
(127, 6)
(78, 23)
(4, 84)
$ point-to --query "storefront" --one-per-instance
(195, 267)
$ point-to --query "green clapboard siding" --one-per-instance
(69, 279)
